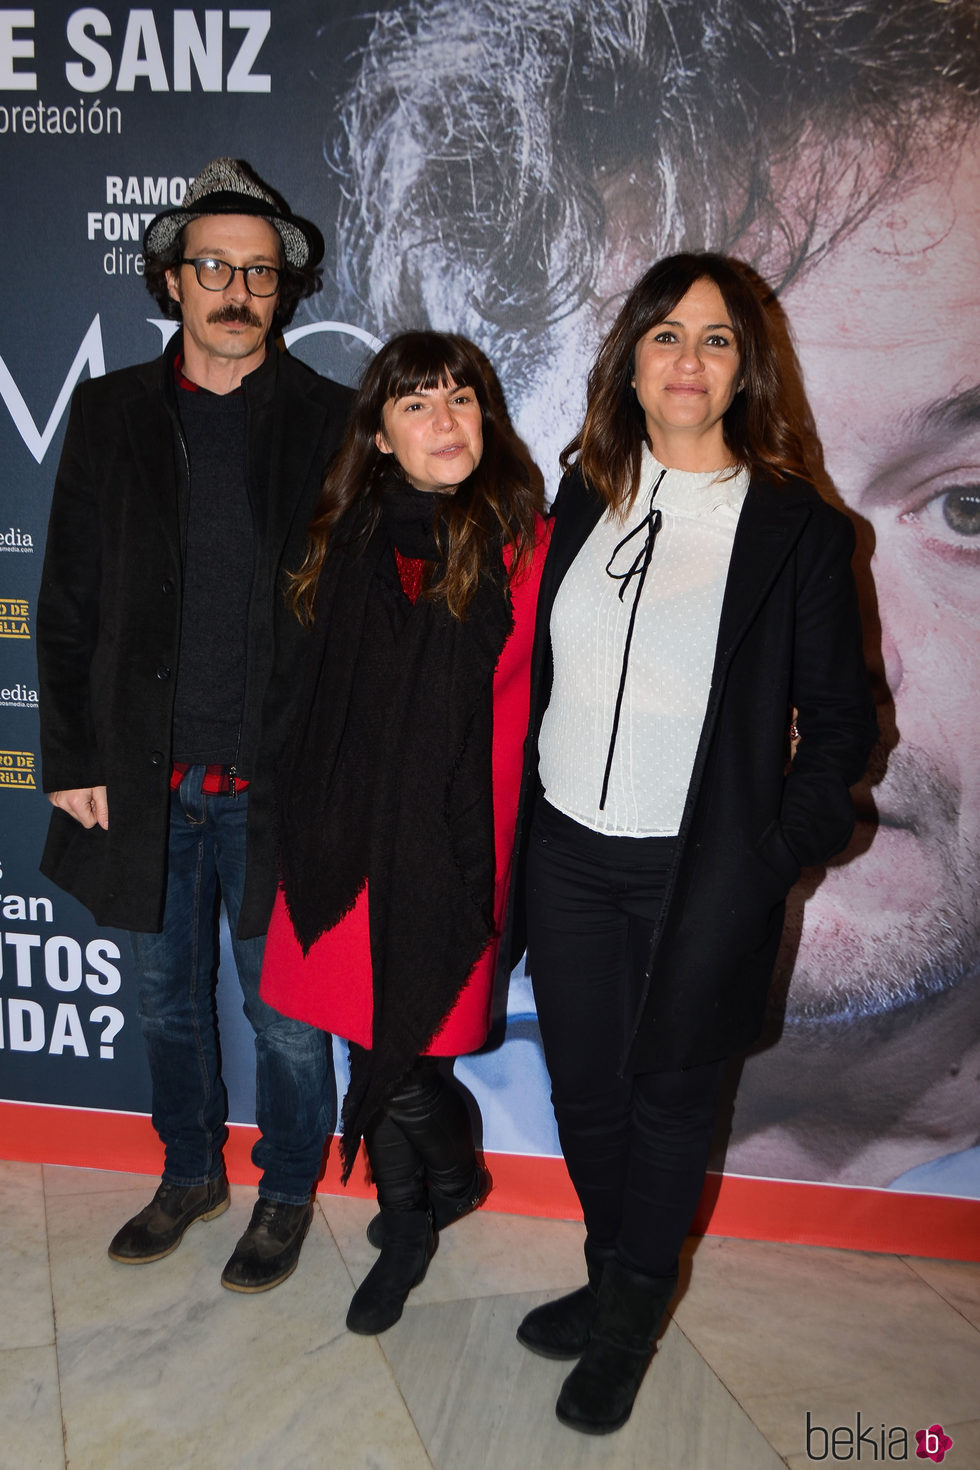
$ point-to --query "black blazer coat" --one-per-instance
(789, 635)
(108, 621)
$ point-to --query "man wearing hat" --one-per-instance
(167, 661)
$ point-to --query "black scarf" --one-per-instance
(387, 780)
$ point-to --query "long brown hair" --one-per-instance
(495, 505)
(758, 427)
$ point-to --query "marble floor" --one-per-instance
(109, 1367)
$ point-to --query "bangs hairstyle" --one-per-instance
(758, 425)
(420, 361)
(495, 507)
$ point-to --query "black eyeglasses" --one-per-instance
(217, 275)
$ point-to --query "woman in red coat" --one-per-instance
(399, 788)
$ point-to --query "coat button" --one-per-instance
(156, 759)
(163, 672)
(168, 584)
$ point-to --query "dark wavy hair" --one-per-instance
(768, 129)
(295, 283)
(758, 426)
(496, 506)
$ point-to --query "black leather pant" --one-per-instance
(422, 1142)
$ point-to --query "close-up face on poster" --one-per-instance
(507, 171)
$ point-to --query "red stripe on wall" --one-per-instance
(751, 1209)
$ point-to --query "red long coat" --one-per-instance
(331, 987)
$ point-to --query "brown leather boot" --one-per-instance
(159, 1227)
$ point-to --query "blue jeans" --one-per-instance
(295, 1095)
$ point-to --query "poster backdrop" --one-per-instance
(506, 169)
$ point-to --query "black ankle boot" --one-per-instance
(561, 1329)
(409, 1243)
(597, 1396)
(446, 1208)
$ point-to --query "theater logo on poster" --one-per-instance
(17, 770)
(15, 617)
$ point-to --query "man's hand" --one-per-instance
(87, 804)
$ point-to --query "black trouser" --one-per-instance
(421, 1142)
(636, 1146)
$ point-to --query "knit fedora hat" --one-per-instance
(231, 186)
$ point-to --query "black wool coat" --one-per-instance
(109, 614)
(789, 636)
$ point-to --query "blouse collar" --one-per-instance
(695, 494)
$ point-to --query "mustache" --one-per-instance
(232, 312)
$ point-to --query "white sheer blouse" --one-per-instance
(664, 667)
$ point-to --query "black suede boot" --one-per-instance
(406, 1220)
(597, 1396)
(409, 1243)
(446, 1208)
(561, 1329)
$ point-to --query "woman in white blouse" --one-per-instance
(698, 591)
